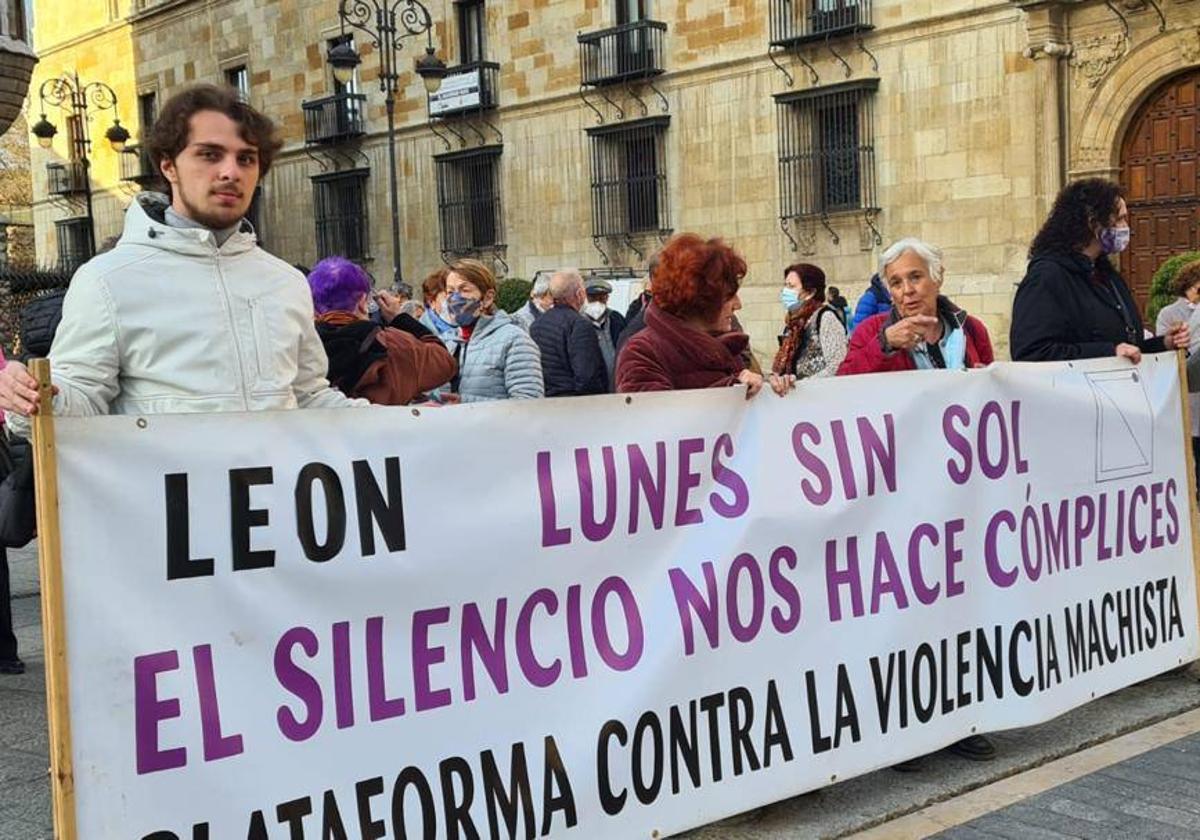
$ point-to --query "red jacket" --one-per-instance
(669, 355)
(866, 355)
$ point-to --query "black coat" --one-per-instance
(572, 364)
(1068, 307)
(634, 324)
(638, 304)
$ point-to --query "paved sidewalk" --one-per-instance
(831, 812)
(1153, 795)
(24, 746)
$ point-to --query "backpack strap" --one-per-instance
(369, 340)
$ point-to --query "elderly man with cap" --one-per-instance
(572, 364)
(608, 323)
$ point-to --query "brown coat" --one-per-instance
(401, 363)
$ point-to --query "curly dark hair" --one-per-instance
(1079, 207)
(169, 135)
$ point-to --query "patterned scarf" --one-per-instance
(791, 340)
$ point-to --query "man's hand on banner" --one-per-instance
(18, 389)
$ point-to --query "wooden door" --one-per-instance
(1159, 174)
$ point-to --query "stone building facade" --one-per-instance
(582, 132)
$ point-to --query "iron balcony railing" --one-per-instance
(333, 119)
(799, 21)
(66, 178)
(136, 166)
(623, 53)
(467, 88)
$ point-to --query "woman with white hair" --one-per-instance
(924, 330)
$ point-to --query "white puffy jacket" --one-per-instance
(168, 322)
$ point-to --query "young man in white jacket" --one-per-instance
(187, 313)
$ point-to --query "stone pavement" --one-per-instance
(1153, 795)
(24, 746)
(831, 812)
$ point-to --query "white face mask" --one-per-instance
(594, 310)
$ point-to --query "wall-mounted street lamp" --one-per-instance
(69, 94)
(388, 23)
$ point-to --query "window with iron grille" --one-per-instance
(74, 242)
(470, 212)
(827, 150)
(629, 177)
(340, 209)
(797, 21)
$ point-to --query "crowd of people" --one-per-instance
(241, 330)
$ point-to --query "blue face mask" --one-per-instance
(789, 297)
(464, 311)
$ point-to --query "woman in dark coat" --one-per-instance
(1072, 303)
(689, 340)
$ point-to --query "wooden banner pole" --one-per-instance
(1181, 356)
(54, 620)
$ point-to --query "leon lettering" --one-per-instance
(378, 506)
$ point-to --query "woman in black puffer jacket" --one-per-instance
(1072, 303)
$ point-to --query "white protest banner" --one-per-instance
(604, 617)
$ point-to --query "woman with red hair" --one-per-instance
(689, 341)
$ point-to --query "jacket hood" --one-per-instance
(145, 224)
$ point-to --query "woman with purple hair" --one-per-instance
(389, 365)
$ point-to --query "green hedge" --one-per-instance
(1161, 285)
(512, 293)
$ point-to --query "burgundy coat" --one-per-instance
(669, 355)
(866, 355)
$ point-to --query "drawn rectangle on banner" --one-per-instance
(1125, 425)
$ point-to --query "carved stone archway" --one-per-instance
(1160, 171)
(1114, 102)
